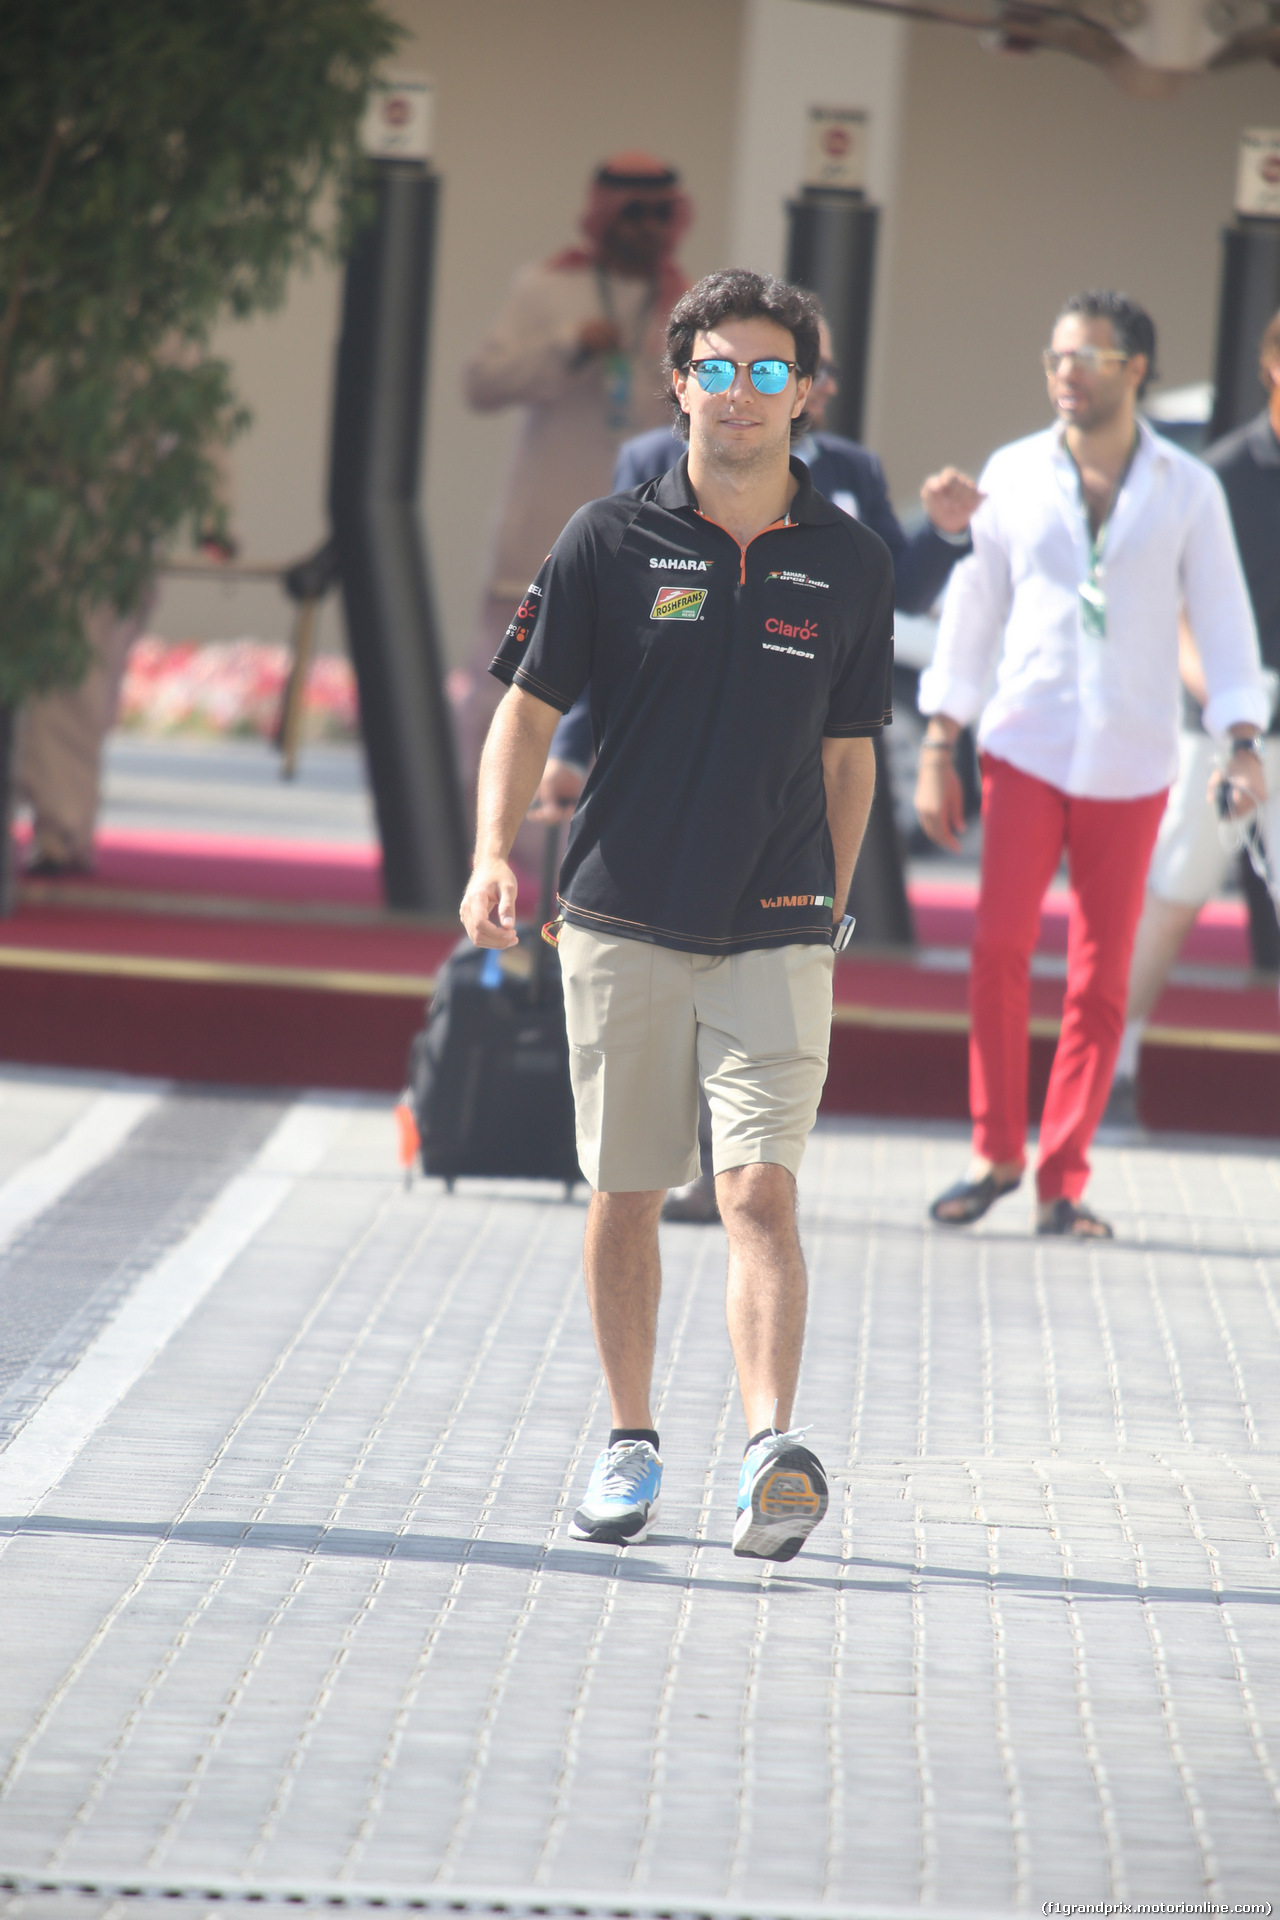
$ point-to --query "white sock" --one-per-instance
(1127, 1058)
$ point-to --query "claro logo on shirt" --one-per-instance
(788, 633)
(799, 900)
(678, 603)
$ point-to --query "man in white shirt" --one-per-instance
(1093, 535)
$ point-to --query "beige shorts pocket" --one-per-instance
(607, 991)
(782, 1001)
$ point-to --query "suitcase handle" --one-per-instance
(546, 908)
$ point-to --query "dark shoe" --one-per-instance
(1073, 1220)
(695, 1203)
(45, 867)
(972, 1198)
(1122, 1104)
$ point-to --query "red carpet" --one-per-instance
(271, 963)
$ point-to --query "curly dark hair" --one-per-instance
(737, 294)
(1132, 325)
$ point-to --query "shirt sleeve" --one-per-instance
(975, 613)
(1220, 616)
(549, 646)
(861, 700)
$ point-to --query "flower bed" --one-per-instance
(232, 687)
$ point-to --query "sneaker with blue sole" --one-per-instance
(621, 1501)
(782, 1495)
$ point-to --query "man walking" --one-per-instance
(853, 479)
(1092, 536)
(1190, 862)
(736, 631)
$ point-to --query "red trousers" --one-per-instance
(1026, 825)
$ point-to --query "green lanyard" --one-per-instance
(1093, 595)
(619, 364)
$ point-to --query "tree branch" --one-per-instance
(9, 324)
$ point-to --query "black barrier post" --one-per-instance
(373, 501)
(1250, 295)
(831, 249)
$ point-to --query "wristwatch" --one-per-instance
(842, 934)
(1247, 743)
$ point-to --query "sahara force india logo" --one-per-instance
(678, 603)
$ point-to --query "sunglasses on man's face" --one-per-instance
(663, 211)
(1088, 358)
(716, 376)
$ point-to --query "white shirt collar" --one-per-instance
(1150, 444)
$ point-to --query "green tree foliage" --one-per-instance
(161, 162)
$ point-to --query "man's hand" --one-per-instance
(597, 336)
(1248, 785)
(557, 794)
(939, 795)
(950, 499)
(488, 909)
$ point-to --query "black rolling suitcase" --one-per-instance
(489, 1073)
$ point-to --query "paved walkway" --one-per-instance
(287, 1599)
(235, 786)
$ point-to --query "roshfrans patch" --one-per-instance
(678, 603)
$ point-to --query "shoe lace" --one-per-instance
(626, 1467)
(783, 1433)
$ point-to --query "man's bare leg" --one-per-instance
(624, 1285)
(782, 1494)
(1162, 929)
(768, 1289)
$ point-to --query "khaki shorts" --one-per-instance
(645, 1023)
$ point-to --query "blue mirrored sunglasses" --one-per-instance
(716, 376)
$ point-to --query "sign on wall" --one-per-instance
(1258, 175)
(836, 154)
(397, 119)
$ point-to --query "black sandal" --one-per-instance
(976, 1196)
(1075, 1222)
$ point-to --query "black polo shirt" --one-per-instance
(1248, 464)
(715, 672)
